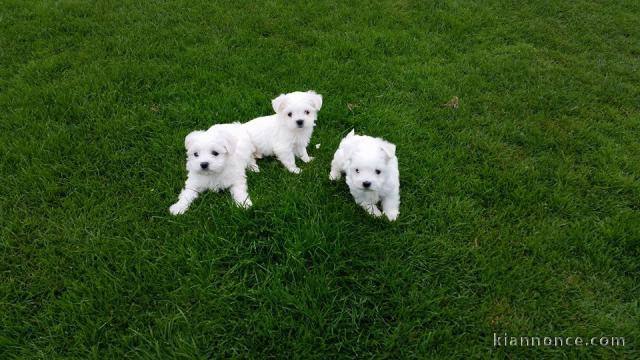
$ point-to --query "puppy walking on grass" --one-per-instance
(371, 169)
(286, 134)
(216, 160)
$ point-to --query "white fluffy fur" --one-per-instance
(228, 151)
(286, 134)
(365, 159)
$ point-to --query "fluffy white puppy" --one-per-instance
(371, 169)
(286, 134)
(216, 160)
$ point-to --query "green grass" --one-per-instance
(520, 210)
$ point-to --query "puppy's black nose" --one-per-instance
(204, 165)
(299, 122)
(366, 184)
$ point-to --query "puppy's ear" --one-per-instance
(316, 99)
(347, 146)
(189, 139)
(279, 103)
(389, 149)
(229, 141)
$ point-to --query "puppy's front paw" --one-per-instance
(178, 209)
(372, 210)
(334, 176)
(245, 204)
(295, 170)
(254, 168)
(308, 159)
(392, 215)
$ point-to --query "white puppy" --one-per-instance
(216, 160)
(371, 168)
(286, 134)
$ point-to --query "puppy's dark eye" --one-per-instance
(214, 153)
(378, 172)
(306, 112)
(289, 114)
(358, 171)
(195, 154)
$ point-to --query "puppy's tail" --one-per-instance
(352, 133)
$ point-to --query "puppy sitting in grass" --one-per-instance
(371, 169)
(286, 134)
(216, 160)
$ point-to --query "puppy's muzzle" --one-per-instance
(300, 123)
(204, 165)
(366, 184)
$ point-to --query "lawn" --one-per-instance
(520, 208)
